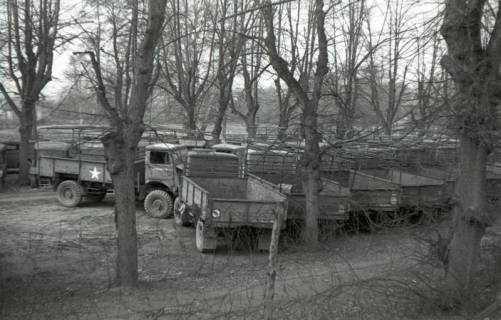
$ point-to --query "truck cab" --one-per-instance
(163, 164)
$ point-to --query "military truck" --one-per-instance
(82, 174)
(219, 200)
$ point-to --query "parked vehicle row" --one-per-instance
(220, 188)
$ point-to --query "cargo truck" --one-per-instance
(221, 200)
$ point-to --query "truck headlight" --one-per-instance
(216, 213)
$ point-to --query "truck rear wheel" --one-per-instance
(158, 204)
(69, 193)
(205, 240)
(180, 215)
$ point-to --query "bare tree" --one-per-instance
(343, 81)
(473, 60)
(286, 102)
(387, 81)
(31, 35)
(251, 60)
(231, 30)
(317, 46)
(429, 99)
(187, 51)
(133, 61)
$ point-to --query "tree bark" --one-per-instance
(120, 156)
(27, 126)
(218, 123)
(473, 60)
(311, 175)
(469, 220)
(191, 119)
(251, 125)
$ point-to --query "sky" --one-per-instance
(420, 11)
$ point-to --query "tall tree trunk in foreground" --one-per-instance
(120, 147)
(126, 122)
(473, 60)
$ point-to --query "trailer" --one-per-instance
(218, 203)
(368, 192)
(334, 199)
(417, 192)
(449, 177)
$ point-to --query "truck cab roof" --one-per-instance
(227, 147)
(164, 146)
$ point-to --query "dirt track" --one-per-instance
(58, 263)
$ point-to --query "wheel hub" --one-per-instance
(68, 194)
(157, 205)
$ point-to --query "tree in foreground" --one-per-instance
(31, 36)
(133, 55)
(473, 60)
(308, 103)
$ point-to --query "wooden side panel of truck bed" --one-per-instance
(236, 213)
(86, 171)
(239, 202)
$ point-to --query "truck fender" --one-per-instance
(147, 188)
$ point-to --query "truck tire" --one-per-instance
(181, 218)
(158, 204)
(204, 239)
(69, 193)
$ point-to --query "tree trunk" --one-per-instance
(311, 175)
(120, 153)
(469, 220)
(27, 127)
(250, 122)
(341, 127)
(283, 125)
(218, 124)
(191, 119)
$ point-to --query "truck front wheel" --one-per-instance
(204, 238)
(69, 193)
(158, 204)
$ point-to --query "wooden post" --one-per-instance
(269, 293)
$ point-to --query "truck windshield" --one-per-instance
(159, 157)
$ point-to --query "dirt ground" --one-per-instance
(58, 263)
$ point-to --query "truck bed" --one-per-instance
(83, 170)
(416, 190)
(368, 192)
(334, 198)
(240, 201)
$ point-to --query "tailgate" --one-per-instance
(234, 212)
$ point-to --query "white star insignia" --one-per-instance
(95, 173)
